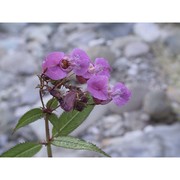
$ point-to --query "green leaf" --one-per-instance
(69, 121)
(29, 117)
(70, 142)
(54, 121)
(52, 103)
(27, 149)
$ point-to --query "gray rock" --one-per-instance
(35, 49)
(111, 31)
(121, 65)
(11, 44)
(12, 28)
(135, 103)
(101, 51)
(81, 38)
(173, 43)
(30, 93)
(121, 42)
(3, 140)
(21, 110)
(113, 125)
(149, 32)
(157, 105)
(6, 116)
(96, 42)
(160, 141)
(37, 33)
(7, 81)
(136, 49)
(135, 120)
(133, 70)
(19, 63)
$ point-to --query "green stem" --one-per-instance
(48, 139)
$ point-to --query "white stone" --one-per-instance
(149, 32)
(136, 49)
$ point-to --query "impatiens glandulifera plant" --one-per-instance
(61, 77)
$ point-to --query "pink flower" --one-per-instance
(51, 66)
(97, 86)
(120, 94)
(80, 61)
(99, 67)
(102, 67)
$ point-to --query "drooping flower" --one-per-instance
(97, 86)
(120, 94)
(51, 66)
(80, 61)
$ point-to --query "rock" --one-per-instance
(3, 140)
(133, 70)
(5, 82)
(35, 49)
(173, 43)
(37, 33)
(96, 42)
(135, 120)
(136, 49)
(113, 125)
(121, 65)
(12, 28)
(121, 42)
(149, 32)
(164, 142)
(157, 105)
(101, 51)
(135, 103)
(30, 93)
(11, 44)
(6, 116)
(81, 38)
(111, 31)
(21, 110)
(19, 63)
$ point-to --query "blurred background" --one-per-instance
(145, 56)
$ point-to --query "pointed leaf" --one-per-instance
(70, 142)
(29, 117)
(69, 121)
(52, 103)
(27, 149)
(54, 121)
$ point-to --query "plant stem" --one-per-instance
(48, 139)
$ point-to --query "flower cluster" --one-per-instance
(58, 67)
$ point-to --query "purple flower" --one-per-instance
(68, 101)
(102, 67)
(97, 86)
(120, 94)
(51, 66)
(80, 61)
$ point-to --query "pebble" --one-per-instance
(157, 105)
(101, 51)
(19, 63)
(37, 33)
(149, 32)
(122, 132)
(135, 49)
(173, 43)
(30, 93)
